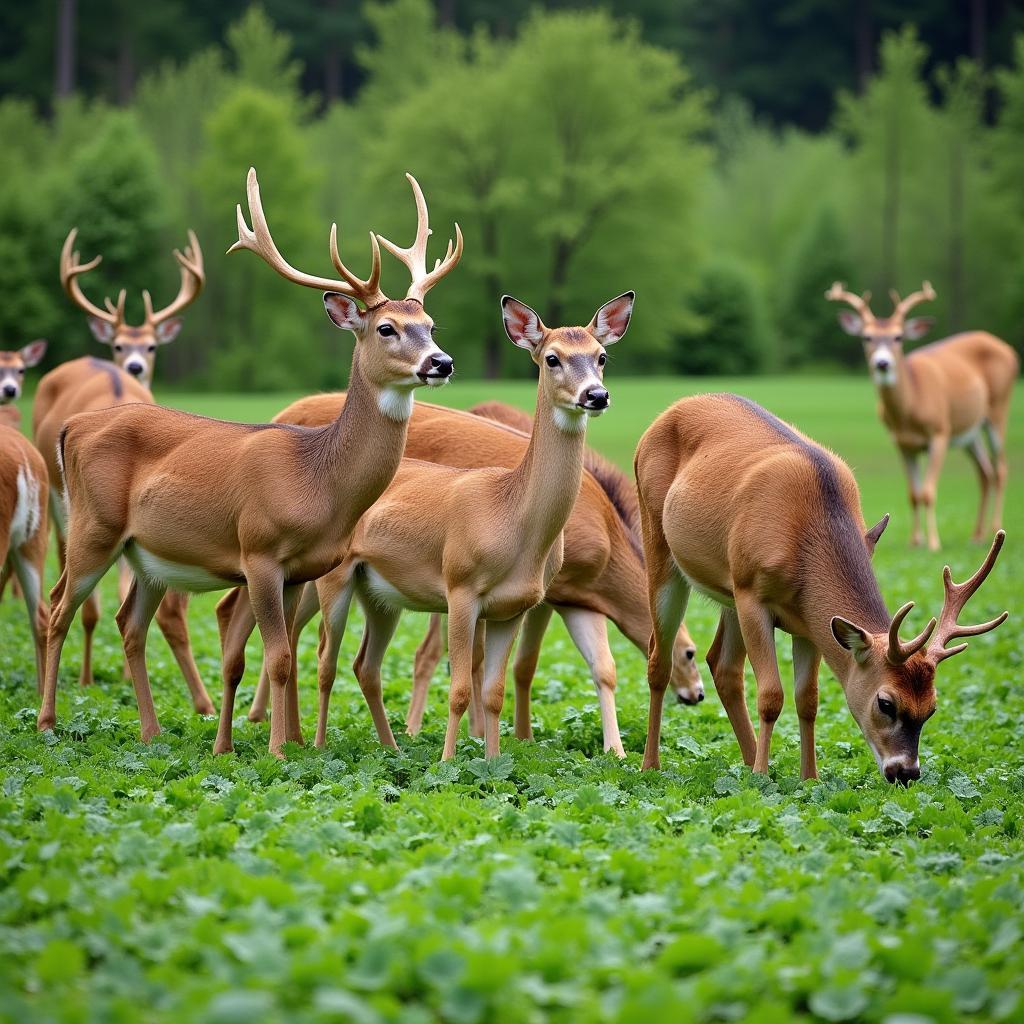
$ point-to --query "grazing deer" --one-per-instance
(750, 512)
(23, 530)
(602, 575)
(484, 544)
(200, 504)
(85, 384)
(953, 392)
(12, 378)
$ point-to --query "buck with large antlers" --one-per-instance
(23, 530)
(199, 504)
(484, 544)
(750, 512)
(953, 392)
(85, 384)
(12, 378)
(602, 575)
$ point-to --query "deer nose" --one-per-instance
(10, 391)
(442, 364)
(901, 772)
(595, 398)
(882, 365)
(135, 369)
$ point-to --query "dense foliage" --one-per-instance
(554, 883)
(577, 151)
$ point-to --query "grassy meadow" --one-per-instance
(162, 883)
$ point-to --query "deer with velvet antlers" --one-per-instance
(84, 384)
(199, 504)
(954, 392)
(747, 510)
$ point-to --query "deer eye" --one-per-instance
(552, 360)
(119, 348)
(602, 359)
(887, 707)
(386, 331)
(21, 371)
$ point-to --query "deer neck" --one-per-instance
(547, 481)
(897, 398)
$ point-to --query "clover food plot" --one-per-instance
(553, 883)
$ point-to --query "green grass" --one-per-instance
(162, 883)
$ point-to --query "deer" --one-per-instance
(955, 392)
(23, 531)
(198, 504)
(483, 545)
(748, 511)
(87, 383)
(12, 378)
(602, 575)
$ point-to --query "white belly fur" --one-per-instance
(173, 575)
(384, 594)
(25, 520)
(967, 438)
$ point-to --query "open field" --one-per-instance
(162, 883)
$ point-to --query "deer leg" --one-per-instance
(668, 594)
(806, 662)
(381, 624)
(589, 632)
(124, 582)
(476, 696)
(936, 456)
(90, 617)
(133, 619)
(498, 646)
(524, 667)
(335, 598)
(986, 480)
(725, 659)
(913, 470)
(235, 622)
(995, 431)
(428, 654)
(172, 618)
(86, 563)
(462, 626)
(28, 564)
(759, 640)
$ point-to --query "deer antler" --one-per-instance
(899, 652)
(415, 257)
(193, 277)
(71, 269)
(957, 595)
(837, 293)
(260, 241)
(901, 307)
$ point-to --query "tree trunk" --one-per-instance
(494, 347)
(64, 79)
(979, 31)
(332, 73)
(446, 13)
(865, 50)
(957, 285)
(564, 249)
(891, 208)
(125, 65)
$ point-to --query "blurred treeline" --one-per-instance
(729, 179)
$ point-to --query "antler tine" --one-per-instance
(898, 651)
(71, 269)
(956, 597)
(415, 256)
(193, 279)
(117, 310)
(838, 293)
(901, 307)
(368, 290)
(260, 241)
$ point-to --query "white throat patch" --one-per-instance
(396, 403)
(570, 422)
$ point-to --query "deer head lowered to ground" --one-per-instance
(954, 392)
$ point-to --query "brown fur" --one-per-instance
(24, 556)
(743, 507)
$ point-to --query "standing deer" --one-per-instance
(12, 378)
(750, 512)
(23, 530)
(85, 384)
(483, 545)
(200, 504)
(953, 392)
(602, 575)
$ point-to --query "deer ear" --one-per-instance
(344, 311)
(876, 531)
(168, 330)
(101, 330)
(917, 327)
(522, 325)
(612, 319)
(851, 637)
(850, 322)
(33, 352)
